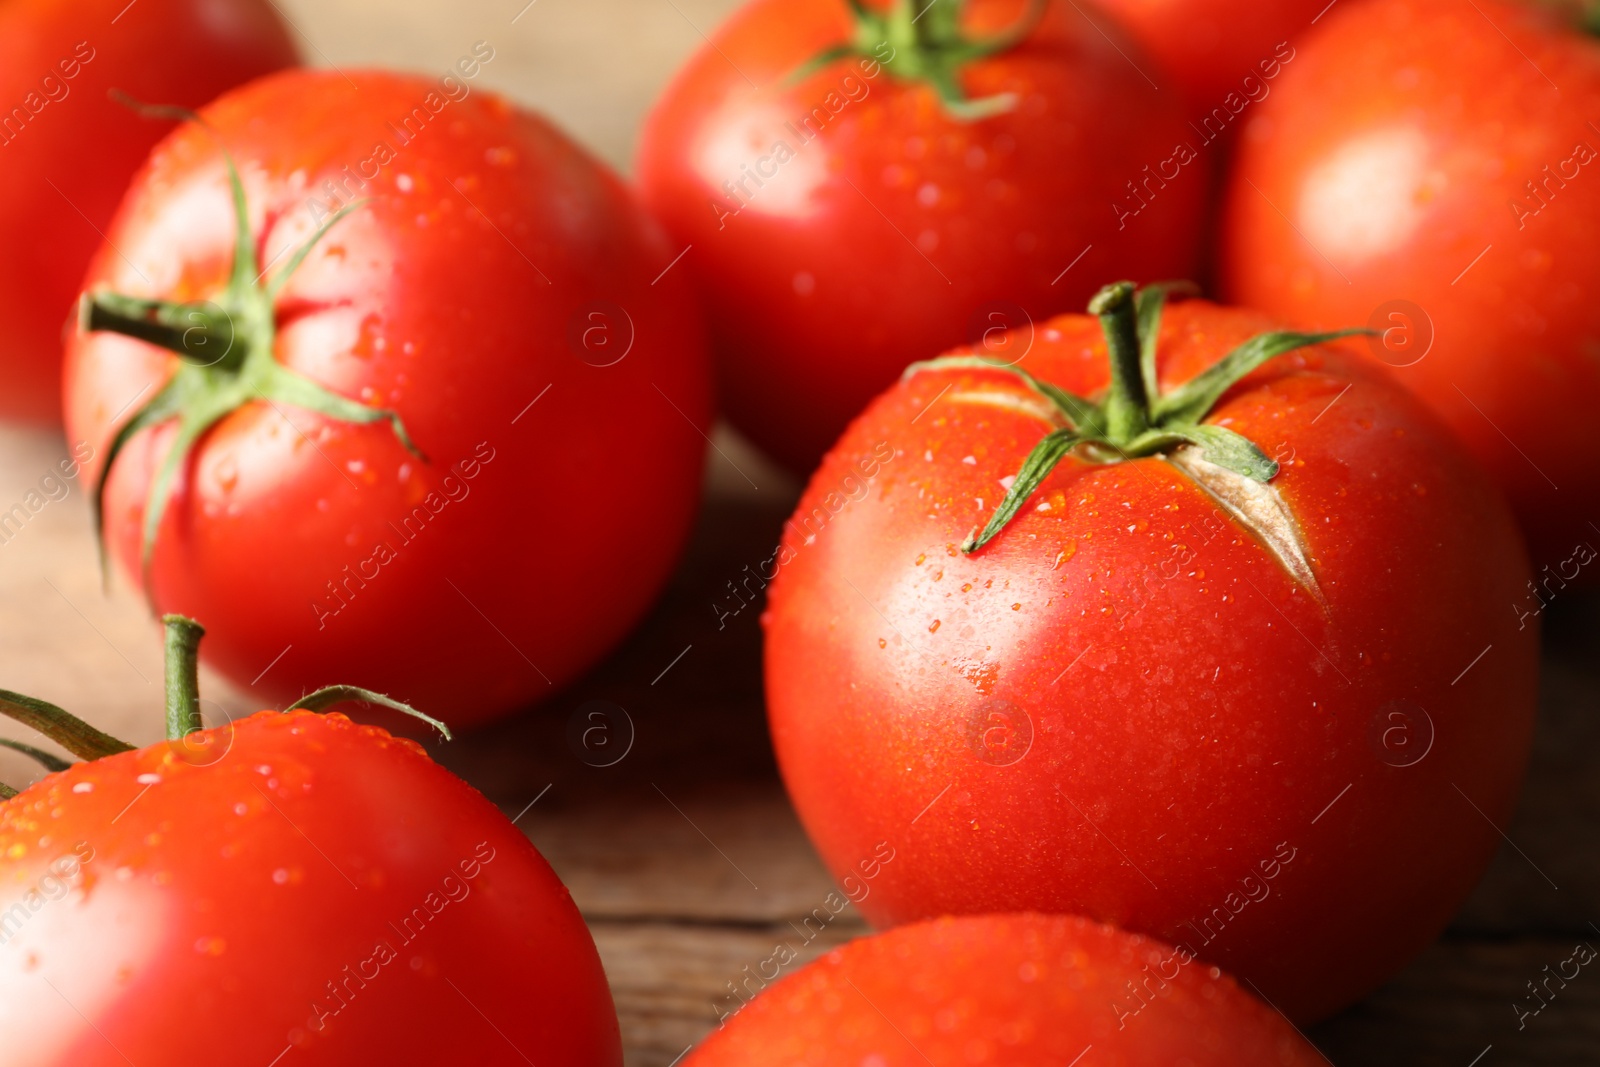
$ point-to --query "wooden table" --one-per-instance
(685, 855)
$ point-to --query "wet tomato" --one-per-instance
(950, 170)
(288, 888)
(448, 422)
(1227, 662)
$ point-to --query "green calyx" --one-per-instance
(922, 40)
(182, 685)
(226, 360)
(1134, 418)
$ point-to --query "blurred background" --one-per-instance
(651, 783)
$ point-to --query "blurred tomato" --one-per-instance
(1019, 990)
(1212, 48)
(1429, 168)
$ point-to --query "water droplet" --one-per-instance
(934, 627)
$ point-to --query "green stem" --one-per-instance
(926, 43)
(183, 675)
(182, 641)
(228, 360)
(1127, 405)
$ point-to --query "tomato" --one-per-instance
(1261, 698)
(289, 886)
(428, 453)
(1023, 990)
(1418, 170)
(67, 151)
(894, 202)
(1211, 48)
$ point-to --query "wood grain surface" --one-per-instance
(684, 853)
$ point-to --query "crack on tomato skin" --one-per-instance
(1259, 508)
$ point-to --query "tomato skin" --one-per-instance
(232, 882)
(1399, 144)
(818, 295)
(1024, 990)
(513, 555)
(1123, 706)
(1208, 47)
(222, 43)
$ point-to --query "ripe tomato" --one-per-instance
(1023, 990)
(895, 202)
(67, 151)
(289, 886)
(1418, 169)
(1271, 721)
(490, 291)
(1211, 48)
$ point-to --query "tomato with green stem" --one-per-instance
(348, 398)
(1023, 990)
(291, 885)
(67, 152)
(860, 185)
(1197, 645)
(1426, 166)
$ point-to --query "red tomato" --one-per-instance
(1274, 723)
(844, 223)
(67, 151)
(1211, 48)
(492, 287)
(1418, 170)
(1023, 990)
(288, 887)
